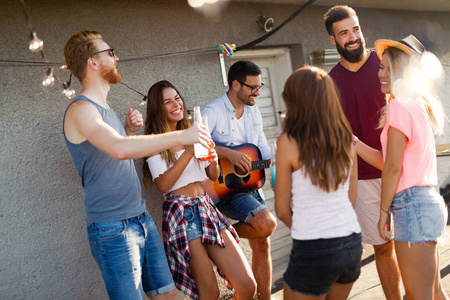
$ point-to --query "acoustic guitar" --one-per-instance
(233, 179)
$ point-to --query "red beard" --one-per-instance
(111, 75)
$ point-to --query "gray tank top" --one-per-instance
(112, 187)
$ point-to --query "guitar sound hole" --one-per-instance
(233, 182)
(239, 172)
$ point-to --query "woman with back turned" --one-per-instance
(316, 189)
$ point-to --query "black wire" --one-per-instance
(145, 97)
(30, 62)
(24, 9)
(267, 35)
(192, 51)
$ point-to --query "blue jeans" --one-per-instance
(242, 206)
(419, 215)
(131, 257)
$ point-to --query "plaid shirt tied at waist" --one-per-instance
(175, 237)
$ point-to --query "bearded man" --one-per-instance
(124, 240)
(234, 119)
(356, 75)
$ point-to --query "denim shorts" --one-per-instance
(419, 215)
(131, 257)
(315, 265)
(194, 227)
(242, 206)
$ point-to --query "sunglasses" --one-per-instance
(110, 52)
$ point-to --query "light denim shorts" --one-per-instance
(419, 215)
(242, 206)
(194, 227)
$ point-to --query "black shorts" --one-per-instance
(315, 265)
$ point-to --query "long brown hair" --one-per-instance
(156, 122)
(316, 121)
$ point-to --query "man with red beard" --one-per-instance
(124, 240)
(356, 75)
(234, 119)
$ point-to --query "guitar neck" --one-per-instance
(260, 164)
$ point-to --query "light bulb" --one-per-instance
(49, 79)
(36, 44)
(143, 103)
(69, 93)
(63, 67)
(196, 3)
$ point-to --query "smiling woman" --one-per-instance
(194, 231)
(408, 196)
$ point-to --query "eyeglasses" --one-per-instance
(253, 88)
(110, 52)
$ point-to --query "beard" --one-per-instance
(111, 75)
(353, 56)
(247, 100)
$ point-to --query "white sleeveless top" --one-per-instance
(317, 214)
(192, 173)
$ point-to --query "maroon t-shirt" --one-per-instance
(362, 100)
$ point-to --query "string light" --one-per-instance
(68, 92)
(49, 79)
(196, 3)
(143, 102)
(36, 44)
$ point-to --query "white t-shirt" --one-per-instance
(194, 172)
(239, 132)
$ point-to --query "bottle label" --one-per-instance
(200, 150)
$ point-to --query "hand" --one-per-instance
(384, 224)
(134, 121)
(212, 155)
(197, 134)
(240, 160)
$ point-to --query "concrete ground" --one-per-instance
(368, 287)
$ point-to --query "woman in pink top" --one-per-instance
(408, 164)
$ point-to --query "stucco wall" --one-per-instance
(44, 248)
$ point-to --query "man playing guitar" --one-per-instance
(234, 119)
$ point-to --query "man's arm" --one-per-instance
(84, 122)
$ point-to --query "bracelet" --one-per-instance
(355, 140)
(384, 210)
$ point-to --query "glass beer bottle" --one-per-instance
(199, 150)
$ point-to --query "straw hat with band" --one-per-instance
(409, 44)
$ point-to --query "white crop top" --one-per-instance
(318, 214)
(192, 173)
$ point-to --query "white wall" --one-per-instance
(44, 248)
